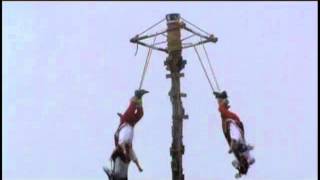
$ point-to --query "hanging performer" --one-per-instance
(123, 152)
(233, 130)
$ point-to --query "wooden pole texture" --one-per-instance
(174, 64)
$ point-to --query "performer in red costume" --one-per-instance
(233, 128)
(124, 153)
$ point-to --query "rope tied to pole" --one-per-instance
(146, 64)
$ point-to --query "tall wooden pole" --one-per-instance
(174, 63)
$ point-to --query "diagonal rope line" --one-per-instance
(152, 26)
(203, 68)
(146, 64)
(195, 26)
(165, 41)
(188, 37)
(211, 68)
(164, 35)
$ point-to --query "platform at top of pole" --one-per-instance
(173, 17)
(175, 24)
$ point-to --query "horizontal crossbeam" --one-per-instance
(153, 47)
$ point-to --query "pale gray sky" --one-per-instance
(68, 67)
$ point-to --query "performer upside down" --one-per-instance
(123, 152)
(233, 129)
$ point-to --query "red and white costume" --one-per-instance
(232, 127)
(127, 122)
(227, 117)
(124, 136)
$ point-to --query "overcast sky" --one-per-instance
(68, 68)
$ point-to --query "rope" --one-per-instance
(161, 42)
(157, 23)
(204, 69)
(146, 64)
(152, 26)
(195, 26)
(137, 48)
(165, 41)
(164, 35)
(188, 37)
(211, 69)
